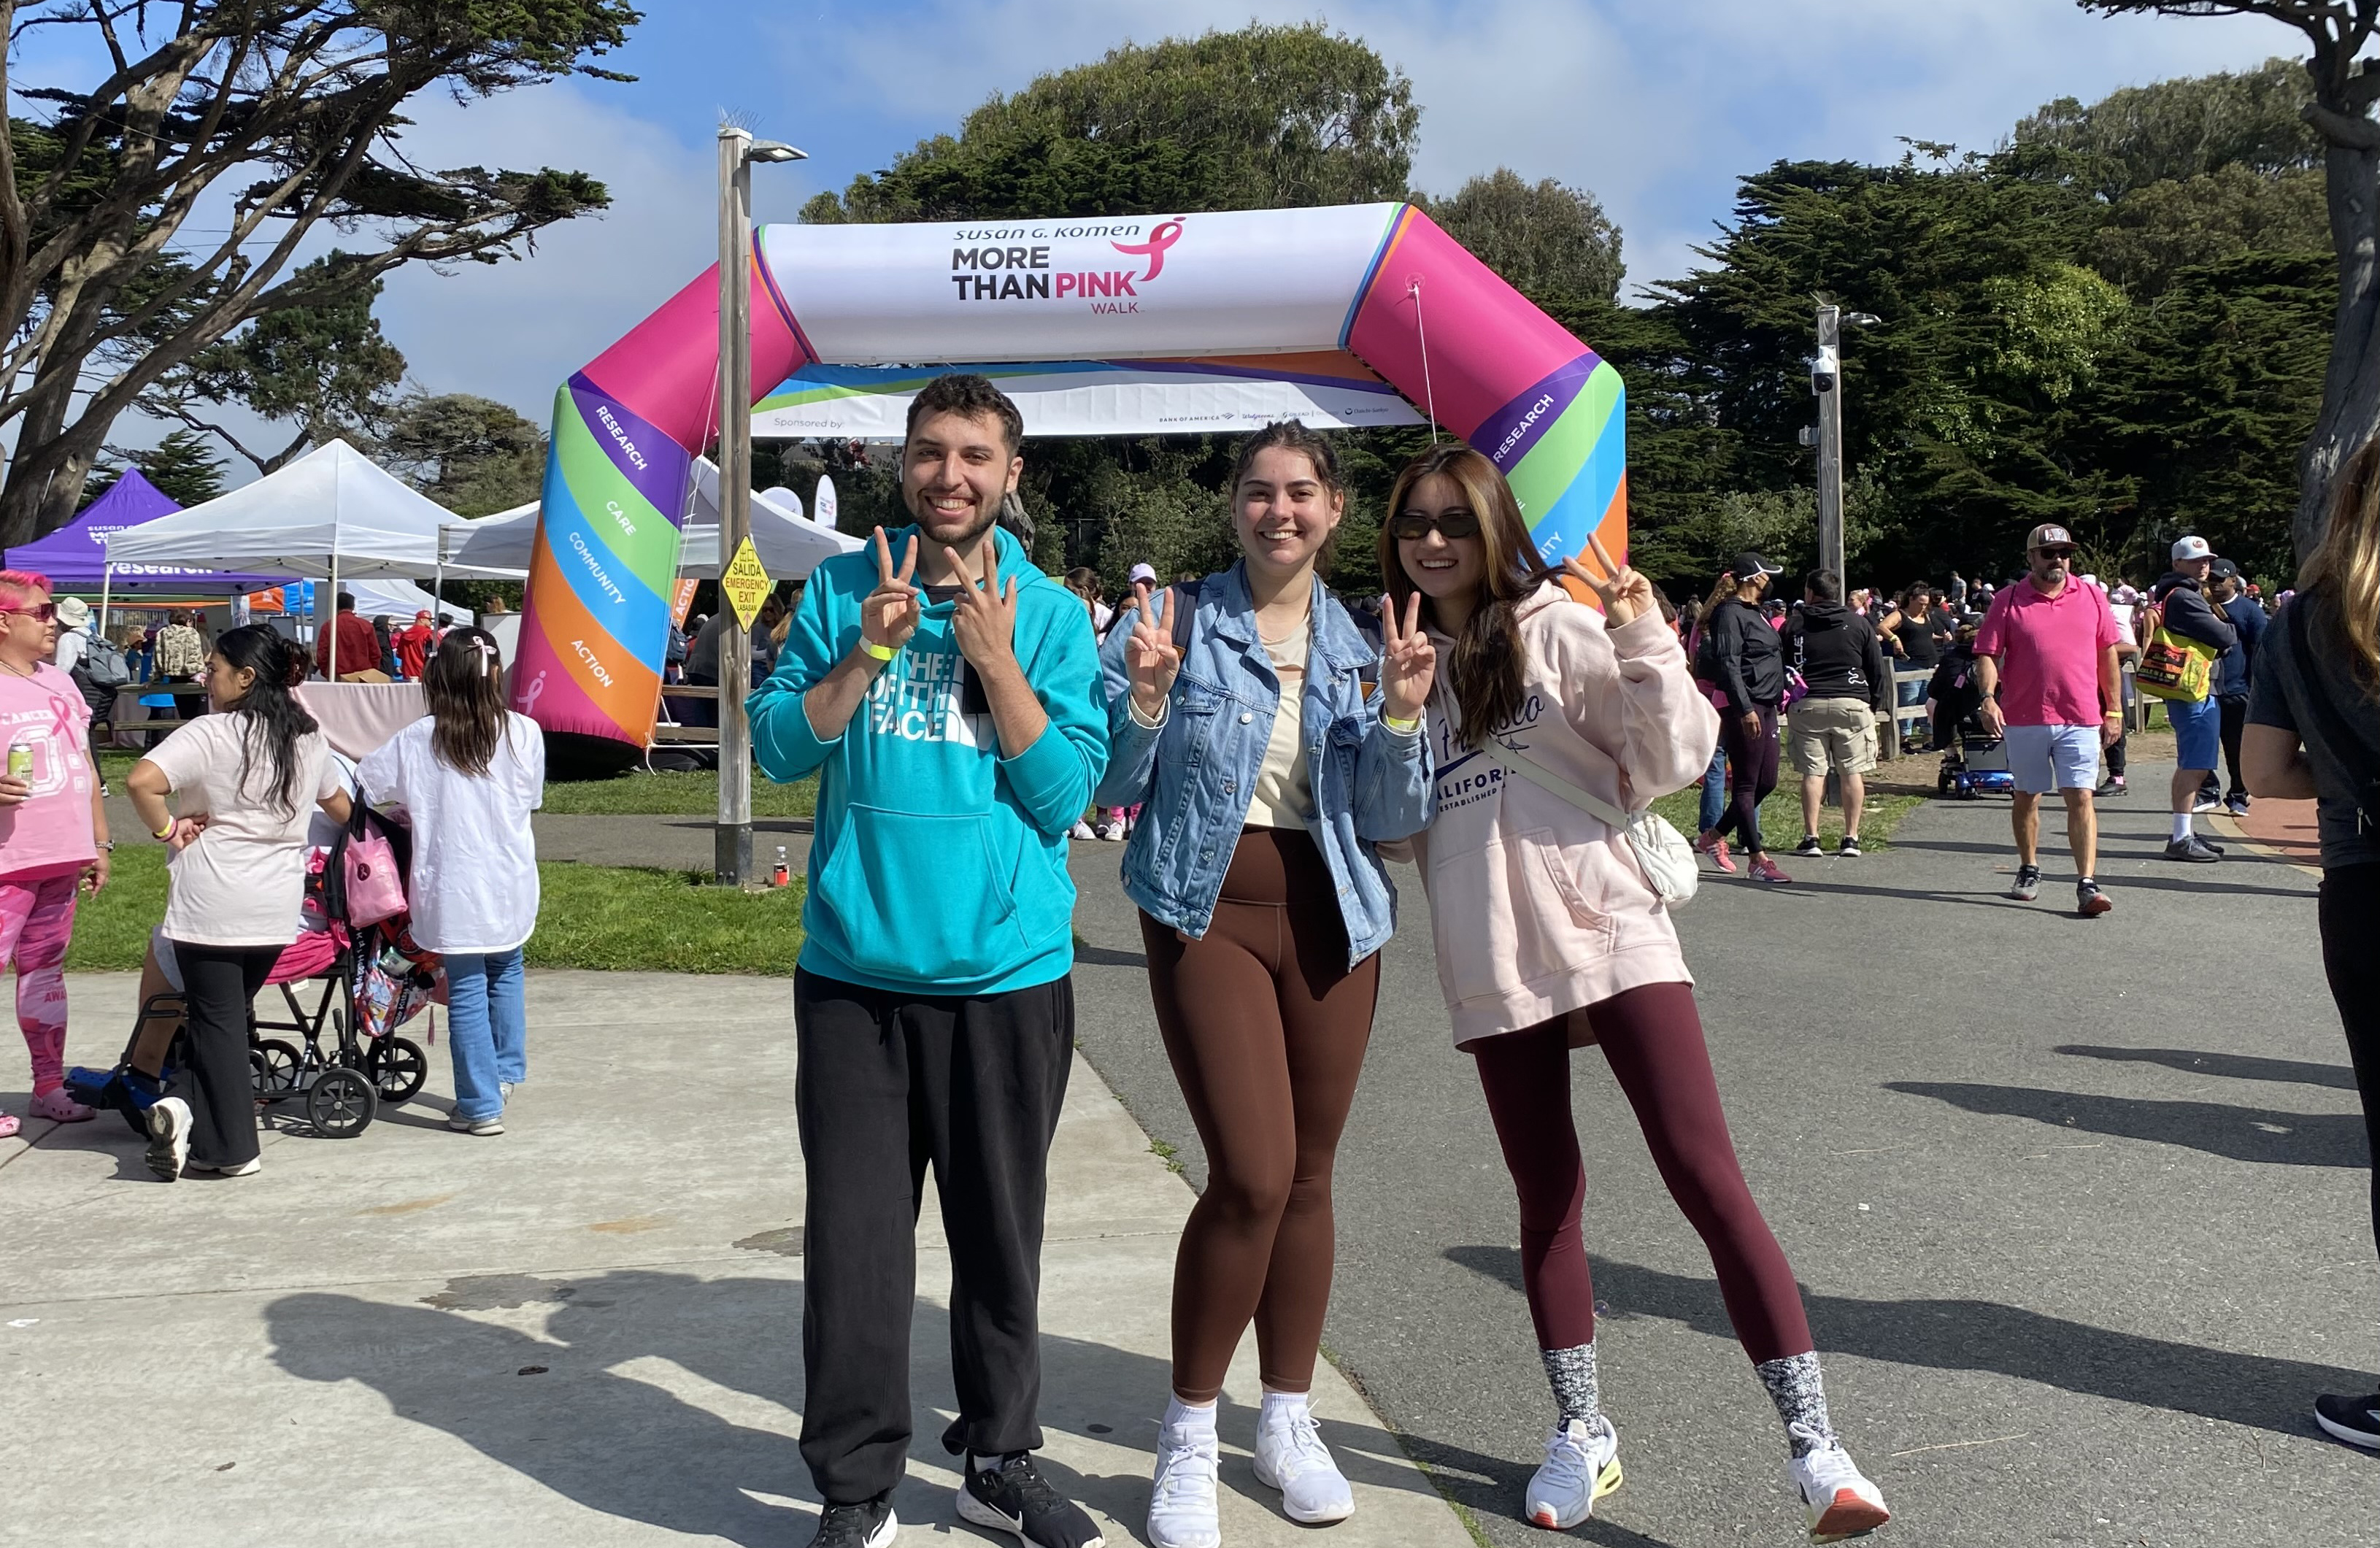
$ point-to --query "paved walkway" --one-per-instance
(2080, 1207)
(585, 1332)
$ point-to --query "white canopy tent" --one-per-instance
(790, 546)
(332, 513)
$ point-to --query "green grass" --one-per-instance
(1781, 816)
(617, 918)
(629, 795)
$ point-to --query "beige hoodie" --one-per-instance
(1538, 908)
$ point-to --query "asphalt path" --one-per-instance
(2080, 1207)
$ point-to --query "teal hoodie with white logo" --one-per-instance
(937, 865)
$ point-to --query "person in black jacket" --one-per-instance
(2197, 725)
(1743, 655)
(2234, 670)
(1841, 660)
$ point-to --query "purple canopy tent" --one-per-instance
(75, 556)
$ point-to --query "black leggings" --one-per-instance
(2349, 915)
(1752, 768)
(218, 982)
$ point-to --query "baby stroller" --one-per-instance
(348, 1059)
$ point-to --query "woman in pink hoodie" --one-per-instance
(1549, 938)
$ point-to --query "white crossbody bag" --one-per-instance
(1662, 852)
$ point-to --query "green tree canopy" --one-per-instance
(1543, 238)
(182, 466)
(471, 455)
(2175, 130)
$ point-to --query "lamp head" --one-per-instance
(772, 149)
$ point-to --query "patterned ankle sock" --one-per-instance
(1576, 1392)
(1795, 1386)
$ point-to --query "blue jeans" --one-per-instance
(487, 1029)
(1714, 791)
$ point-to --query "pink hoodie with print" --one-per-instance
(1539, 908)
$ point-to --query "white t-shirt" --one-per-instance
(1283, 796)
(242, 881)
(474, 856)
(71, 645)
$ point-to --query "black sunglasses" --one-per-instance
(1412, 526)
(2055, 553)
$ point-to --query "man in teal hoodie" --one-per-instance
(950, 703)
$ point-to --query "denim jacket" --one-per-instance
(1197, 771)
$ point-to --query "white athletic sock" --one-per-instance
(1274, 1402)
(2181, 826)
(1190, 1416)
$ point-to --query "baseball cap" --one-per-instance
(2223, 569)
(422, 616)
(1748, 564)
(2049, 535)
(2192, 548)
(1142, 572)
(73, 612)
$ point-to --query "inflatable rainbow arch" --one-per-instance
(1349, 315)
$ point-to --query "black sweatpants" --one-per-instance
(887, 1083)
(2350, 918)
(2233, 707)
(218, 982)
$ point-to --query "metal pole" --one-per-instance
(332, 674)
(1831, 452)
(732, 844)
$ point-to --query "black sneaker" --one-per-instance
(1808, 848)
(868, 1525)
(2027, 885)
(2355, 1420)
(2194, 850)
(2112, 786)
(1011, 1495)
(2089, 901)
(1849, 849)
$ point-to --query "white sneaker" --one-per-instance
(1182, 1508)
(1080, 830)
(1582, 1466)
(169, 1137)
(248, 1168)
(1841, 1500)
(1111, 832)
(1291, 1458)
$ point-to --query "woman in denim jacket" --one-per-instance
(1274, 750)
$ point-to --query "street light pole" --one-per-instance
(732, 843)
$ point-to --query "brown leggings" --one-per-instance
(1266, 1025)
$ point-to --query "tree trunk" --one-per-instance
(2350, 387)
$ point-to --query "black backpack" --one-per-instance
(102, 664)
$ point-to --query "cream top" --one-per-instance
(1283, 796)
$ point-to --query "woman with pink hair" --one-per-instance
(53, 830)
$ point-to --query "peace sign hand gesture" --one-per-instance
(888, 616)
(984, 622)
(1150, 656)
(1408, 661)
(1626, 595)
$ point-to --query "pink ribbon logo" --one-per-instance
(1165, 236)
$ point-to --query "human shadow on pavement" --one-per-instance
(2234, 1066)
(2262, 1392)
(2273, 1136)
(621, 1445)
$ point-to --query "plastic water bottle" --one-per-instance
(783, 875)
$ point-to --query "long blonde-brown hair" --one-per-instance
(1489, 660)
(464, 687)
(2345, 566)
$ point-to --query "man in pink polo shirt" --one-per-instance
(2046, 659)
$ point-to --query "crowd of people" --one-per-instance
(1275, 751)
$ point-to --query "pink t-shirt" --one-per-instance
(50, 832)
(2048, 649)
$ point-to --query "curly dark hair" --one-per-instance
(971, 396)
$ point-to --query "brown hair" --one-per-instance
(1291, 435)
(1490, 660)
(464, 687)
(970, 396)
(2345, 565)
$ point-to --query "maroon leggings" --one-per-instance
(1653, 1037)
(1265, 1026)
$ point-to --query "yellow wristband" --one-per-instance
(881, 652)
(165, 832)
(1401, 726)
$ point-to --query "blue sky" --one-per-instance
(1656, 105)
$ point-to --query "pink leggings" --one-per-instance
(1653, 1037)
(36, 920)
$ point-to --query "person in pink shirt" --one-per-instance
(52, 833)
(2046, 660)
